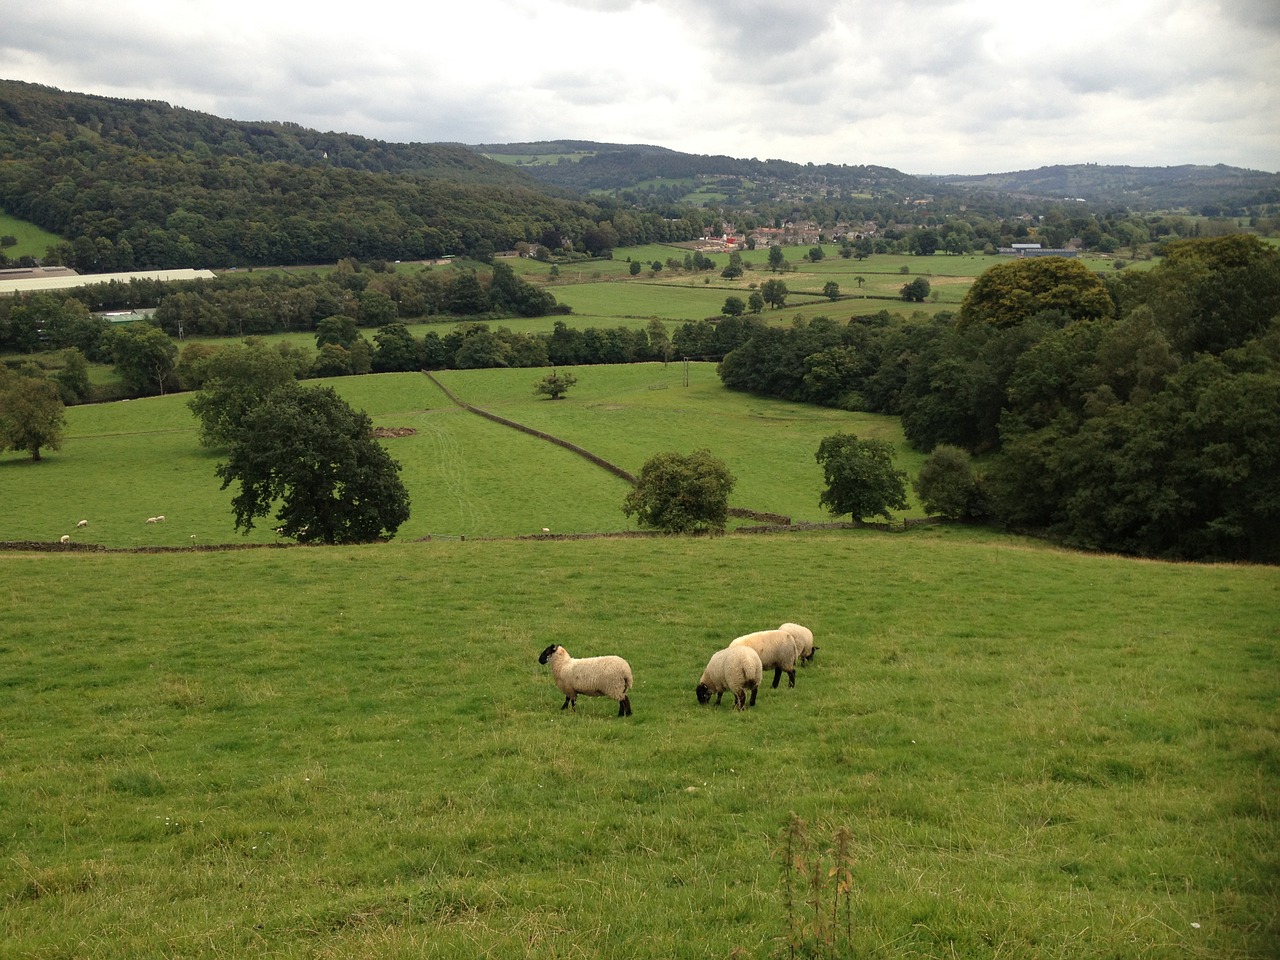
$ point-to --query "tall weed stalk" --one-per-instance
(814, 927)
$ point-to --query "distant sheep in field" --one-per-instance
(83, 523)
(64, 539)
(736, 669)
(777, 651)
(153, 519)
(803, 638)
(607, 676)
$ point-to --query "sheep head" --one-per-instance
(548, 653)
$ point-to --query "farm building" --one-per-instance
(41, 279)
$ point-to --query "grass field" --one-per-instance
(336, 752)
(124, 462)
(32, 241)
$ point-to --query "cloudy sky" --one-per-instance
(925, 86)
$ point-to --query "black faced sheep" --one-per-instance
(777, 652)
(736, 669)
(803, 637)
(589, 677)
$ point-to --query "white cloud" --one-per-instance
(925, 86)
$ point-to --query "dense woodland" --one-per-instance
(1139, 414)
(135, 184)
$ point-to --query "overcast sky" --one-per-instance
(925, 86)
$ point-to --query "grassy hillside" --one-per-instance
(353, 752)
(124, 462)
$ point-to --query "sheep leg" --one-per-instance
(754, 690)
(777, 676)
(740, 700)
(792, 675)
(718, 696)
(624, 707)
(567, 704)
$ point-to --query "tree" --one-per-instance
(860, 477)
(635, 268)
(776, 258)
(815, 254)
(145, 357)
(396, 349)
(309, 451)
(755, 302)
(1010, 293)
(682, 494)
(32, 414)
(946, 484)
(554, 385)
(235, 380)
(774, 292)
(831, 290)
(338, 330)
(916, 291)
(733, 307)
(735, 268)
(659, 339)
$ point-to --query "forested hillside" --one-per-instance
(135, 184)
(611, 166)
(641, 170)
(1208, 190)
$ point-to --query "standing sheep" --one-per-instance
(803, 638)
(589, 677)
(736, 669)
(777, 652)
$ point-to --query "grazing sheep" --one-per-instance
(803, 638)
(160, 519)
(153, 519)
(64, 539)
(589, 677)
(83, 523)
(736, 669)
(777, 652)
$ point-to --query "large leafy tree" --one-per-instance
(676, 493)
(1010, 293)
(32, 415)
(860, 477)
(235, 380)
(146, 358)
(307, 450)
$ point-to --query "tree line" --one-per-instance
(1135, 413)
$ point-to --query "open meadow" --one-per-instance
(1001, 749)
(126, 461)
(337, 752)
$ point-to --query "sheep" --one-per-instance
(777, 651)
(803, 638)
(64, 539)
(83, 523)
(153, 519)
(608, 676)
(737, 669)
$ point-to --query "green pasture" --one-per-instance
(32, 240)
(124, 462)
(352, 752)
